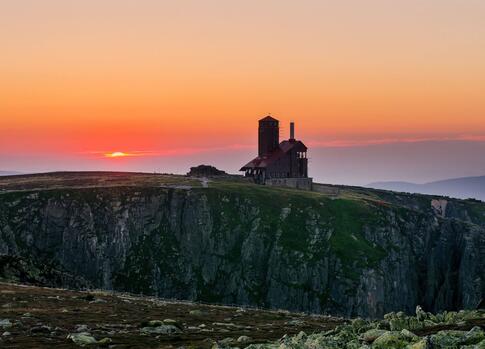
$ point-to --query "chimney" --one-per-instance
(292, 131)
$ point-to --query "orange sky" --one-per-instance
(112, 75)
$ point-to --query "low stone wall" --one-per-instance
(298, 183)
(326, 189)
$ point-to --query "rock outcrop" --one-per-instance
(243, 244)
(205, 171)
(448, 330)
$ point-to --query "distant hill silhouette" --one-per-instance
(9, 173)
(465, 187)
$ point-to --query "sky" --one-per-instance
(379, 90)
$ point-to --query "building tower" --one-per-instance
(268, 135)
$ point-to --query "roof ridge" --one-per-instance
(268, 118)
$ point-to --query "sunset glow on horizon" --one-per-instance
(172, 79)
(116, 154)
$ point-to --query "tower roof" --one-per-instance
(265, 160)
(268, 118)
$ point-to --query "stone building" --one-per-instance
(284, 164)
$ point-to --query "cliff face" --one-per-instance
(243, 244)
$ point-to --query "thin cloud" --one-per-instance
(168, 152)
(335, 143)
(348, 143)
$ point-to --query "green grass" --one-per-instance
(350, 218)
(345, 217)
(67, 180)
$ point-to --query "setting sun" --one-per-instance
(116, 154)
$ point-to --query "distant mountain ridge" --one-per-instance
(9, 173)
(464, 187)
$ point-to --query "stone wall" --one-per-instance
(298, 183)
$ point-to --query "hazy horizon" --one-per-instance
(416, 162)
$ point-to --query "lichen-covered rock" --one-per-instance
(104, 342)
(162, 329)
(196, 312)
(480, 345)
(154, 323)
(226, 342)
(448, 338)
(420, 314)
(423, 343)
(362, 334)
(359, 325)
(390, 340)
(5, 323)
(405, 333)
(399, 321)
(243, 339)
(171, 322)
(371, 335)
(82, 338)
(474, 336)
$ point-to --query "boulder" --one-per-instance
(196, 312)
(171, 322)
(409, 335)
(154, 323)
(40, 329)
(480, 345)
(421, 315)
(448, 338)
(5, 323)
(474, 336)
(390, 340)
(243, 339)
(104, 342)
(358, 323)
(205, 171)
(226, 342)
(371, 335)
(81, 328)
(162, 329)
(422, 344)
(82, 339)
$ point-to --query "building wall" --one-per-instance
(289, 166)
(279, 169)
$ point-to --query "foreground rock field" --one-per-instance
(36, 317)
(447, 330)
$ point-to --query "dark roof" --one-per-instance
(265, 160)
(290, 144)
(268, 118)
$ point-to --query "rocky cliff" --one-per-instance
(354, 253)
